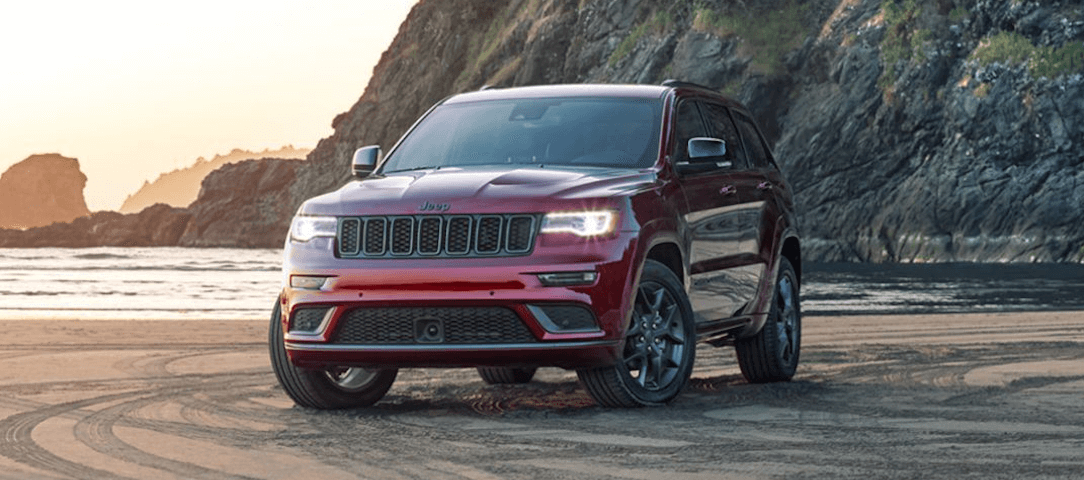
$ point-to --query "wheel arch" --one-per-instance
(668, 253)
(792, 251)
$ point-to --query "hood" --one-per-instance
(478, 190)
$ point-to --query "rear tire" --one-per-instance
(328, 389)
(506, 375)
(772, 354)
(660, 346)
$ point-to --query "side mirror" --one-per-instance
(705, 154)
(707, 149)
(365, 160)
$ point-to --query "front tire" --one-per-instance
(660, 346)
(772, 354)
(329, 389)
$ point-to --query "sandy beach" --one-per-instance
(936, 396)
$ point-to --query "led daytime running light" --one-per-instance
(584, 224)
(305, 227)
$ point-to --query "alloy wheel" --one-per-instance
(655, 342)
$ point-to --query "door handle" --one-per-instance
(764, 186)
(728, 190)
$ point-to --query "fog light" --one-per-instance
(564, 318)
(307, 282)
(564, 279)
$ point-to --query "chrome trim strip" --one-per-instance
(695, 217)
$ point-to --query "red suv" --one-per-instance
(600, 228)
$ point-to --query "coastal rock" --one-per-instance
(243, 205)
(180, 187)
(905, 138)
(156, 226)
(41, 190)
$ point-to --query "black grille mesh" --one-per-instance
(461, 325)
(520, 233)
(402, 236)
(429, 236)
(374, 236)
(436, 235)
(570, 317)
(459, 235)
(307, 319)
(350, 231)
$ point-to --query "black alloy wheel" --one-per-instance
(660, 346)
(772, 354)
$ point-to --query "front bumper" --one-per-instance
(425, 288)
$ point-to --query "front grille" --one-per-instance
(459, 325)
(436, 235)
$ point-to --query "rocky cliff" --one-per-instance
(239, 205)
(243, 204)
(180, 187)
(41, 190)
(912, 130)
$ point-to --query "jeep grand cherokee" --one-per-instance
(600, 228)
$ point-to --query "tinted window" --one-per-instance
(754, 143)
(723, 128)
(613, 132)
(686, 126)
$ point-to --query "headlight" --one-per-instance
(305, 228)
(584, 224)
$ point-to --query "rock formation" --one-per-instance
(156, 226)
(180, 187)
(243, 205)
(912, 130)
(41, 190)
(240, 205)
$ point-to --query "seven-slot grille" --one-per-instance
(436, 235)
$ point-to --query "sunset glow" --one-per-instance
(136, 89)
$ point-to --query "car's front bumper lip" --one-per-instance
(572, 355)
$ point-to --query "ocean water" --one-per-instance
(860, 289)
(139, 283)
(241, 284)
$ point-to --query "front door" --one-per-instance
(723, 215)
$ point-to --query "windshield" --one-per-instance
(609, 132)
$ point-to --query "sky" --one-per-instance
(133, 89)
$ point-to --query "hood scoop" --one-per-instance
(534, 177)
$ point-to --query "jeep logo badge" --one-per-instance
(437, 207)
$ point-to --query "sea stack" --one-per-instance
(41, 190)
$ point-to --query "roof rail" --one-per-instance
(682, 84)
(488, 87)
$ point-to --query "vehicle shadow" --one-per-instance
(569, 398)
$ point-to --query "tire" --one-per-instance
(660, 346)
(506, 375)
(772, 354)
(328, 389)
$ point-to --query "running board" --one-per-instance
(717, 332)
